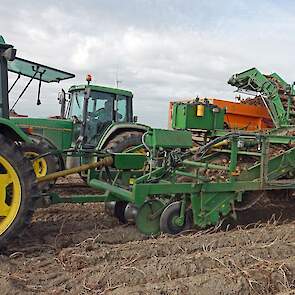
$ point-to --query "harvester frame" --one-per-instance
(168, 188)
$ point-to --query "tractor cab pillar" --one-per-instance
(7, 53)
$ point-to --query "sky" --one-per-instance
(160, 50)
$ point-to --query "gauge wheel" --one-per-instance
(169, 218)
(148, 217)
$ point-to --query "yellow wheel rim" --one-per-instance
(10, 196)
(140, 150)
(39, 165)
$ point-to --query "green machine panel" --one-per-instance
(169, 139)
(127, 161)
(197, 116)
(56, 130)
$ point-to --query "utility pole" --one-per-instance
(117, 80)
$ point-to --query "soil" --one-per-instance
(78, 249)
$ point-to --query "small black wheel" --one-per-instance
(168, 220)
(119, 211)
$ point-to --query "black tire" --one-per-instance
(48, 145)
(166, 221)
(119, 211)
(123, 141)
(23, 168)
(119, 144)
(52, 161)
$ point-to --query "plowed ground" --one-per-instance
(77, 249)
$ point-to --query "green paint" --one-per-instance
(253, 80)
(117, 191)
(148, 217)
(162, 138)
(99, 88)
(127, 161)
(79, 199)
(184, 116)
(13, 131)
(59, 132)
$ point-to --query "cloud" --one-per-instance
(160, 50)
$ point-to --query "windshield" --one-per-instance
(76, 108)
(102, 106)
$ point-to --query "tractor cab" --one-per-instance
(94, 108)
(104, 105)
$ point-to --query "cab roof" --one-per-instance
(35, 70)
(102, 89)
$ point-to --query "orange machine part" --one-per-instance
(244, 116)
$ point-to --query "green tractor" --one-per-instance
(92, 117)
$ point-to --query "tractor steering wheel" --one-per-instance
(97, 113)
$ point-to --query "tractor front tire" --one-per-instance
(18, 188)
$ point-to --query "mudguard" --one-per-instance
(11, 130)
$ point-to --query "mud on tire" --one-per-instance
(124, 141)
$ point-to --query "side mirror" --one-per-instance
(61, 97)
(9, 54)
(135, 118)
(62, 101)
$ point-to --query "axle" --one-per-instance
(105, 162)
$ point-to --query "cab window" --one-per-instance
(121, 114)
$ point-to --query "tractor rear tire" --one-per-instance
(118, 144)
(18, 189)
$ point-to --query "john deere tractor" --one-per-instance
(92, 117)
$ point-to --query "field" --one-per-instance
(77, 249)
